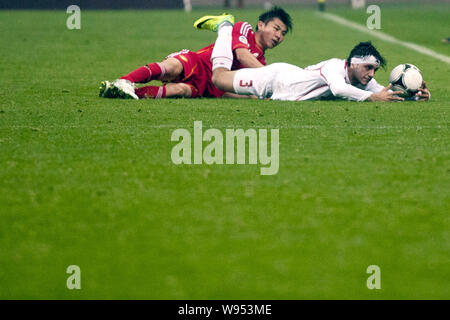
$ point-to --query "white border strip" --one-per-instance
(385, 37)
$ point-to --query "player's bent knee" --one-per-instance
(173, 68)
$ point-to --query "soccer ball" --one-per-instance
(406, 78)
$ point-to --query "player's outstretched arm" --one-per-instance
(386, 95)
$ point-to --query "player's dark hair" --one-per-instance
(276, 12)
(366, 49)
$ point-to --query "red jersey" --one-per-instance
(244, 37)
(198, 65)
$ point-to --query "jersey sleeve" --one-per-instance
(239, 35)
(333, 73)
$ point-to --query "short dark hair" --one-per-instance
(276, 12)
(366, 49)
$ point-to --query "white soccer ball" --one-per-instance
(406, 78)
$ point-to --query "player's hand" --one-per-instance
(424, 93)
(386, 95)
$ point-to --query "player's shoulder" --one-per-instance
(335, 62)
(243, 27)
(334, 65)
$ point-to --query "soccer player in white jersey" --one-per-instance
(350, 79)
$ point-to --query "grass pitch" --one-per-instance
(88, 181)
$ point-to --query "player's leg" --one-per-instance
(247, 81)
(180, 90)
(223, 79)
(222, 58)
(167, 70)
(169, 90)
(184, 69)
(222, 54)
(172, 68)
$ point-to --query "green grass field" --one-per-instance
(89, 181)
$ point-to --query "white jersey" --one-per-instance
(281, 81)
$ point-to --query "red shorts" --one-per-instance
(197, 74)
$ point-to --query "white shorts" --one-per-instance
(256, 81)
(278, 81)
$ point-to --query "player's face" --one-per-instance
(364, 72)
(272, 33)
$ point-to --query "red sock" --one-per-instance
(151, 92)
(152, 71)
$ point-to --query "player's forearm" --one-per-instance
(247, 59)
(349, 92)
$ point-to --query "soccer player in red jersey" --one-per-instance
(188, 73)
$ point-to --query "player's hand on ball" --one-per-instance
(424, 93)
(386, 95)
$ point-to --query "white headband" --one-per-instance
(365, 59)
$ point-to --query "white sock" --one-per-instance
(222, 55)
(224, 24)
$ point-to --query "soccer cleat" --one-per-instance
(105, 89)
(213, 22)
(125, 88)
(120, 88)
